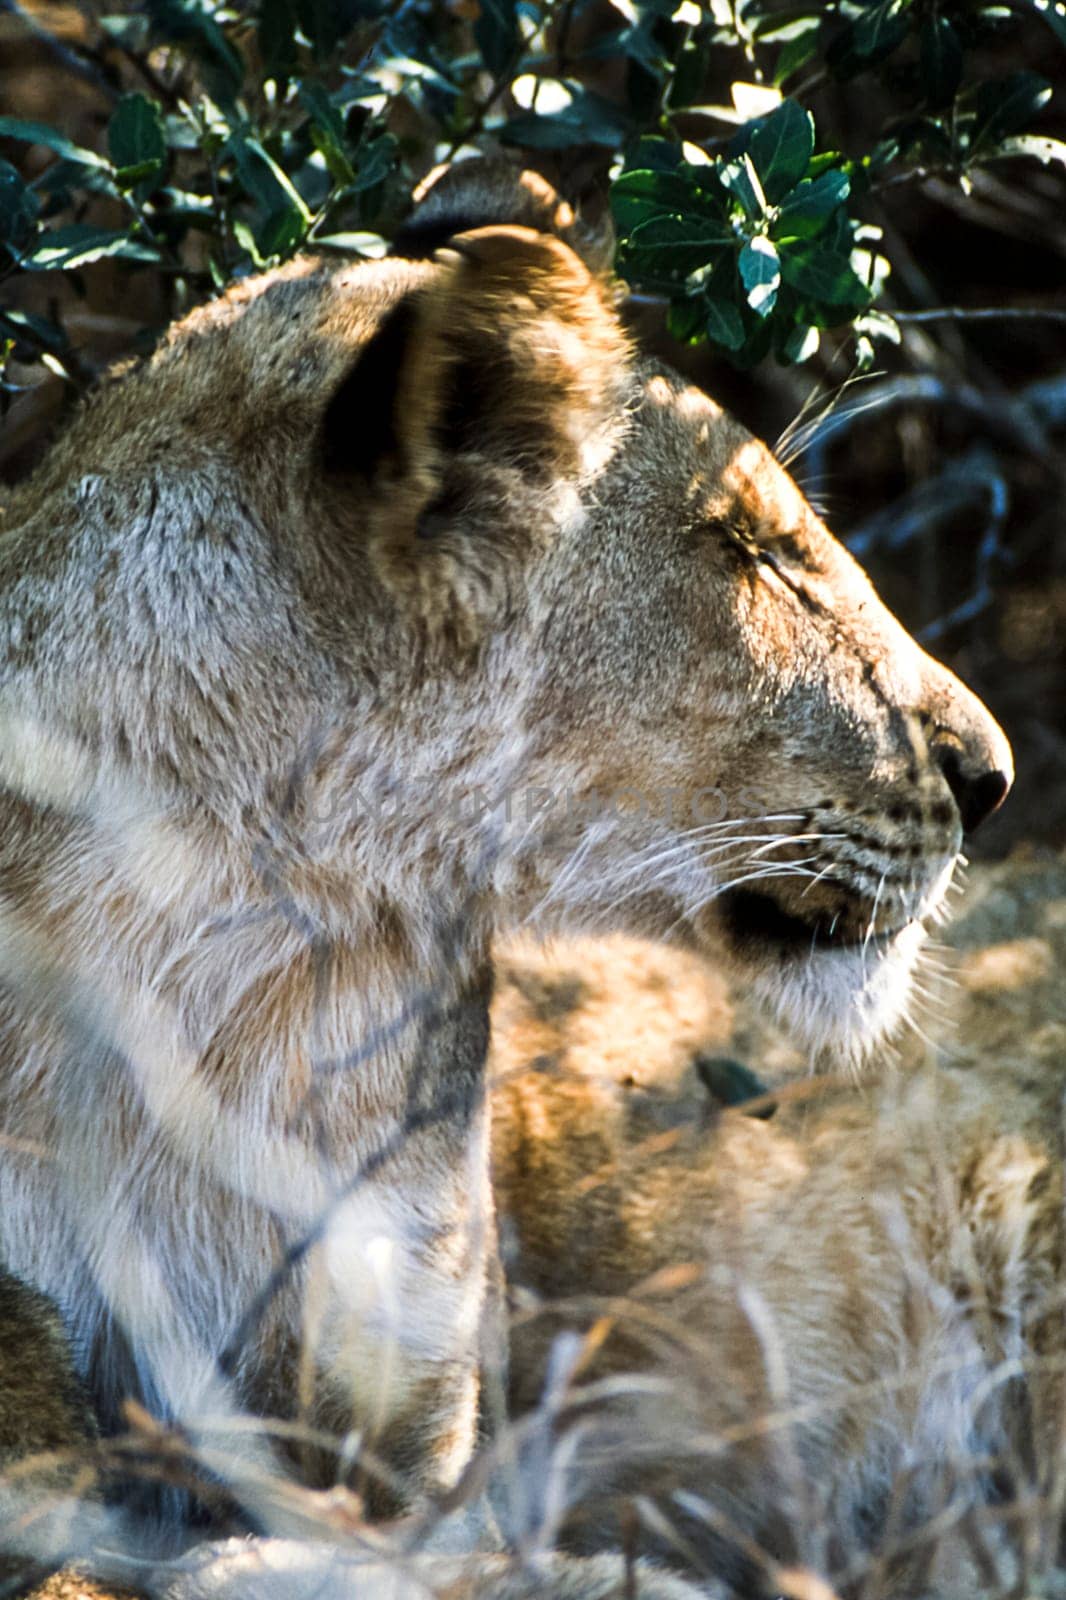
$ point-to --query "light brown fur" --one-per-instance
(360, 545)
(47, 1431)
(840, 1332)
(820, 1298)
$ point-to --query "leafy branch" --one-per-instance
(242, 133)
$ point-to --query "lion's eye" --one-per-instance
(768, 558)
(793, 551)
(725, 531)
(783, 571)
(771, 559)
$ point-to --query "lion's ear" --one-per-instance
(509, 351)
(487, 191)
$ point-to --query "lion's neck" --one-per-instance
(300, 1003)
(203, 1084)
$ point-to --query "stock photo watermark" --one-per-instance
(534, 805)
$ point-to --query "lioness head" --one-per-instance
(415, 569)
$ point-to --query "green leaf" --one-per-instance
(741, 179)
(879, 325)
(869, 38)
(686, 321)
(827, 161)
(18, 209)
(357, 91)
(375, 161)
(781, 146)
(130, 32)
(51, 138)
(941, 59)
(796, 52)
(281, 233)
(190, 210)
(811, 202)
(801, 344)
(369, 245)
(318, 105)
(656, 155)
(63, 176)
(135, 140)
(496, 33)
(669, 247)
(327, 130)
(760, 273)
(881, 157)
(261, 176)
(639, 195)
(865, 354)
(1035, 145)
(588, 119)
(638, 42)
(277, 40)
(407, 48)
(245, 237)
(1003, 106)
(882, 27)
(129, 177)
(924, 138)
(786, 22)
(725, 325)
(326, 23)
(689, 68)
(1053, 15)
(79, 244)
(189, 23)
(29, 329)
(822, 275)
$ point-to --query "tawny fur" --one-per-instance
(851, 1315)
(294, 620)
(47, 1433)
(836, 1338)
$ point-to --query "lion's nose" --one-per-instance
(966, 744)
(978, 786)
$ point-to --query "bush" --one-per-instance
(239, 135)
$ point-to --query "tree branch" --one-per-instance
(981, 314)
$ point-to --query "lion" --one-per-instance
(825, 1345)
(47, 1433)
(385, 606)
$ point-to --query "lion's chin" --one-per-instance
(842, 1003)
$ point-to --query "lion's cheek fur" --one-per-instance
(845, 1003)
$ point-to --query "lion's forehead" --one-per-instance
(755, 481)
(707, 459)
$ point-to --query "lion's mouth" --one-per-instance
(754, 921)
